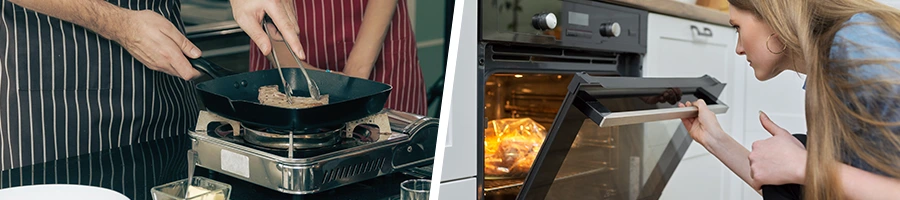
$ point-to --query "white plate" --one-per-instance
(60, 191)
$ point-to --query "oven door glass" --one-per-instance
(617, 137)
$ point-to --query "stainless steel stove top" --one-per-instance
(362, 153)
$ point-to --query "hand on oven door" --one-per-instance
(704, 128)
(671, 96)
(249, 15)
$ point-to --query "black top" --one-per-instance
(133, 170)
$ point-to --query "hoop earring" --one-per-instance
(770, 50)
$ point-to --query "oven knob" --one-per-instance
(544, 21)
(610, 29)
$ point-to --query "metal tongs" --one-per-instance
(313, 88)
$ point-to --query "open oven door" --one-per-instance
(579, 159)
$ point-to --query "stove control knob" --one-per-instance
(544, 21)
(610, 29)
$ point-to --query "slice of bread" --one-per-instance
(270, 96)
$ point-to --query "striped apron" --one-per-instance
(328, 32)
(66, 91)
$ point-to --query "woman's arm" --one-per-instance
(860, 184)
(370, 38)
(733, 155)
(706, 131)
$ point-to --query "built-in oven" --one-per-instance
(606, 137)
(563, 110)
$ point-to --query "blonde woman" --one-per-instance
(850, 51)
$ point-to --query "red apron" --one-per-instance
(328, 33)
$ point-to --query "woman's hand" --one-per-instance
(249, 14)
(704, 128)
(778, 160)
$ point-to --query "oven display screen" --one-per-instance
(580, 19)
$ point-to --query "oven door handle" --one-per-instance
(644, 116)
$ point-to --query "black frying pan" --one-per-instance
(235, 96)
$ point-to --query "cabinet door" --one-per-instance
(460, 189)
(684, 48)
(782, 98)
(677, 49)
(706, 186)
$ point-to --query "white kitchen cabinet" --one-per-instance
(461, 189)
(683, 48)
(782, 98)
(705, 184)
(677, 50)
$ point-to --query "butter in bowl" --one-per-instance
(201, 188)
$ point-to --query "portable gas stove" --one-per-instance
(321, 159)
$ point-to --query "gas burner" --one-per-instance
(267, 137)
(285, 132)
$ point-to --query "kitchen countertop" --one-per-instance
(677, 9)
(134, 170)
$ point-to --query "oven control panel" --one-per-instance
(568, 23)
(602, 25)
(544, 21)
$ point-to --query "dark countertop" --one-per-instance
(134, 170)
(677, 9)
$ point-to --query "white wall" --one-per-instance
(894, 3)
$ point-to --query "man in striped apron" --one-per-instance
(81, 76)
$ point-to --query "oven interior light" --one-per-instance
(518, 76)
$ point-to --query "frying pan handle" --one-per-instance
(209, 68)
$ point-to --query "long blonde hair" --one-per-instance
(807, 28)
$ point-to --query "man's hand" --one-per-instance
(155, 41)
